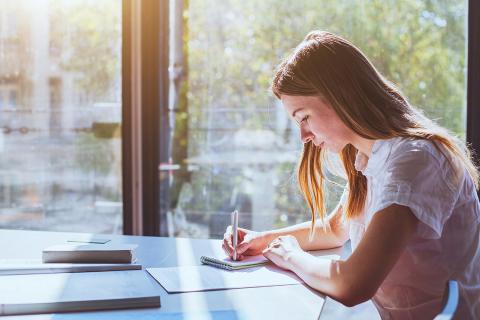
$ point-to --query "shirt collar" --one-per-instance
(378, 157)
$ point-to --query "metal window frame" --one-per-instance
(145, 84)
(473, 79)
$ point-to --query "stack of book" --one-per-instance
(90, 253)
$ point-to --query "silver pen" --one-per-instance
(235, 233)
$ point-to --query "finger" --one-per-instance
(227, 237)
(242, 233)
(242, 247)
(274, 243)
(229, 250)
(227, 247)
(267, 254)
(225, 250)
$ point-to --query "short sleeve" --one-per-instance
(417, 178)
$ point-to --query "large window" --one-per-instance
(232, 144)
(60, 112)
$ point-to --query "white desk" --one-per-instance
(281, 302)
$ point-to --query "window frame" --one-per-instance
(145, 128)
(473, 79)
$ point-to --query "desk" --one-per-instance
(281, 302)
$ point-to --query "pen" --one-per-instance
(235, 233)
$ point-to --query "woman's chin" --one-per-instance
(319, 145)
(331, 148)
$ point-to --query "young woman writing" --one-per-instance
(410, 207)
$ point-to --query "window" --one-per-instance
(233, 146)
(13, 98)
(8, 96)
(60, 165)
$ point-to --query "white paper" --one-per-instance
(204, 278)
(246, 261)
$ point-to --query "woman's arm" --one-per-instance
(332, 237)
(253, 243)
(357, 279)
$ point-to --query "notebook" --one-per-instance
(69, 292)
(90, 253)
(229, 264)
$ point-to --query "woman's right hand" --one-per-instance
(250, 243)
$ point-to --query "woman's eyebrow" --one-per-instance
(294, 112)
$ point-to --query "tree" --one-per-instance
(234, 46)
(90, 42)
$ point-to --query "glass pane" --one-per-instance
(13, 98)
(60, 89)
(240, 148)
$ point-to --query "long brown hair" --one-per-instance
(332, 68)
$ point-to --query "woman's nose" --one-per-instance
(305, 134)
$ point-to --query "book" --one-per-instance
(71, 292)
(229, 264)
(33, 266)
(90, 253)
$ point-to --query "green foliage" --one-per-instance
(235, 45)
(88, 33)
(418, 45)
(93, 154)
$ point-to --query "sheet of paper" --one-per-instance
(89, 240)
(246, 261)
(205, 278)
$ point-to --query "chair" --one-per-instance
(452, 302)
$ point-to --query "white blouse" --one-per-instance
(446, 246)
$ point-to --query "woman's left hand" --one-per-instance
(281, 250)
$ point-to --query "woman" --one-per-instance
(410, 207)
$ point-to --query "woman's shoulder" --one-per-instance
(427, 154)
(420, 149)
(407, 144)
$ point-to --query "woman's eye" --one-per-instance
(304, 119)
